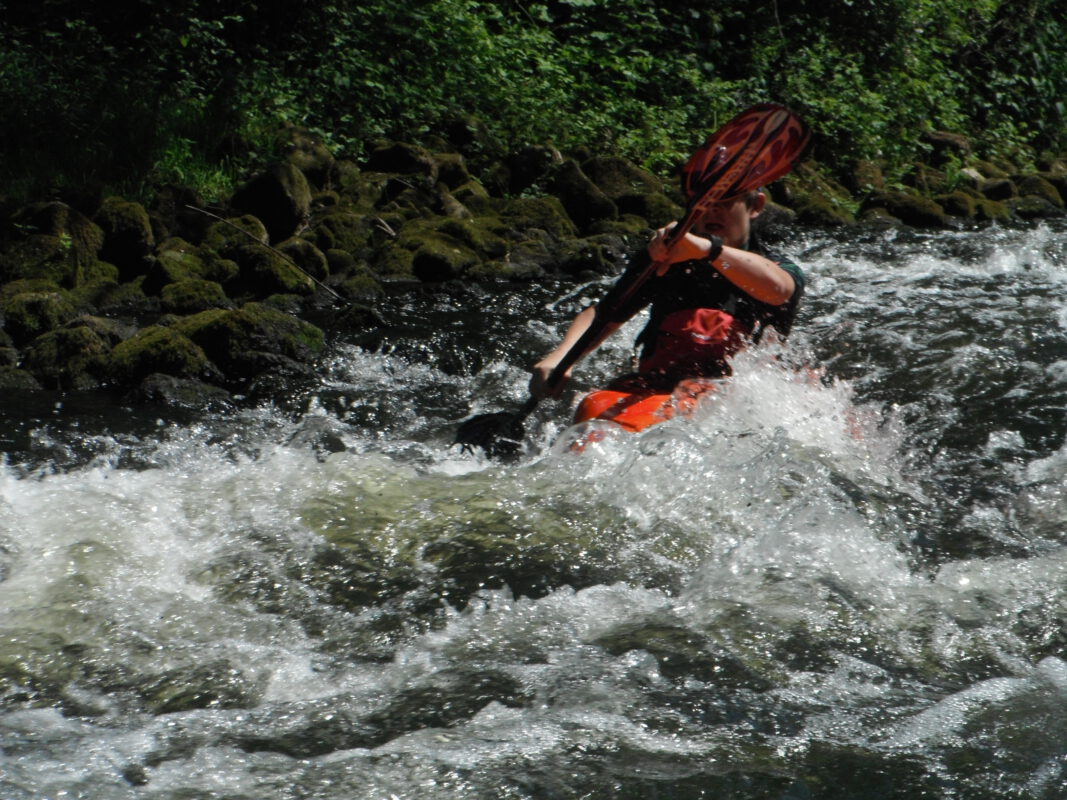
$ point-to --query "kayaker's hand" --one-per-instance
(688, 248)
(539, 387)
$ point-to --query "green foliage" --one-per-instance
(123, 96)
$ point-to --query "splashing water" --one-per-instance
(844, 576)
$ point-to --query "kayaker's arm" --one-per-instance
(539, 387)
(757, 276)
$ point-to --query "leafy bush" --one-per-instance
(125, 95)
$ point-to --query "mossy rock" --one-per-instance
(364, 191)
(816, 199)
(361, 286)
(998, 189)
(959, 204)
(583, 200)
(343, 229)
(403, 159)
(29, 314)
(1036, 186)
(60, 243)
(484, 235)
(13, 380)
(442, 248)
(238, 340)
(538, 213)
(309, 154)
(226, 238)
(310, 259)
(619, 177)
(173, 266)
(395, 261)
(584, 256)
(111, 331)
(167, 390)
(1032, 206)
(441, 259)
(340, 262)
(264, 272)
(911, 209)
(126, 298)
(178, 260)
(192, 295)
(656, 208)
(452, 169)
(128, 236)
(280, 197)
(68, 359)
(158, 349)
(867, 177)
(930, 181)
(991, 170)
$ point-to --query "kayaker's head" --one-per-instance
(732, 220)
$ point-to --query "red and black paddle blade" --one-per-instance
(755, 148)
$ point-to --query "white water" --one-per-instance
(744, 602)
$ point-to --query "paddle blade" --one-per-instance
(755, 148)
(498, 435)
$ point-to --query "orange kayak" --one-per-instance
(641, 408)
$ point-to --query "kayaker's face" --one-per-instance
(731, 221)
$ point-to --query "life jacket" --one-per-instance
(693, 342)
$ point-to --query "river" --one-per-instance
(844, 577)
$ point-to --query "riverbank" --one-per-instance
(189, 304)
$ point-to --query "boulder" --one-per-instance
(28, 314)
(583, 200)
(158, 349)
(68, 359)
(911, 209)
(193, 295)
(128, 236)
(280, 197)
(242, 342)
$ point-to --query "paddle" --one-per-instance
(756, 147)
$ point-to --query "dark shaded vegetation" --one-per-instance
(125, 97)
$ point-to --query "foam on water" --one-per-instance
(335, 603)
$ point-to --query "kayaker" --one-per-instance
(717, 291)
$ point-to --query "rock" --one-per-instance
(59, 244)
(13, 380)
(309, 154)
(909, 208)
(959, 204)
(528, 167)
(1037, 186)
(192, 295)
(167, 390)
(68, 359)
(946, 146)
(583, 200)
(28, 314)
(158, 349)
(280, 197)
(867, 177)
(538, 213)
(998, 189)
(306, 256)
(1033, 206)
(128, 236)
(402, 159)
(264, 272)
(342, 229)
(241, 341)
(451, 169)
